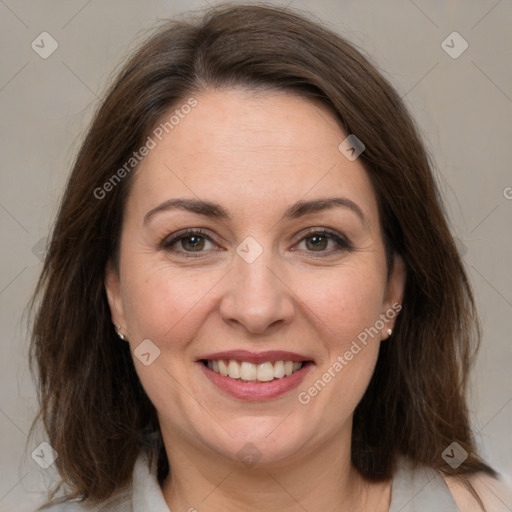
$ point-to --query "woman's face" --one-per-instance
(279, 274)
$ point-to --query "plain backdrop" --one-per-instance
(462, 101)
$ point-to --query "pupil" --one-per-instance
(318, 241)
(192, 241)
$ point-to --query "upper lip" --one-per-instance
(256, 357)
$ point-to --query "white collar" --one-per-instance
(147, 495)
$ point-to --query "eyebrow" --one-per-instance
(297, 210)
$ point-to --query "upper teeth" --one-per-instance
(263, 372)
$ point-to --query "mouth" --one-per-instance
(251, 376)
(250, 372)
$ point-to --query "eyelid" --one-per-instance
(184, 233)
(341, 241)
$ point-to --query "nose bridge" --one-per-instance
(256, 296)
(258, 277)
(254, 258)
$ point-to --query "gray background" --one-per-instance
(463, 106)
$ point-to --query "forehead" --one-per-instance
(247, 151)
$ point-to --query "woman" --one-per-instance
(252, 300)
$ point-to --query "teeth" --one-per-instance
(248, 371)
(223, 368)
(263, 372)
(234, 369)
(279, 372)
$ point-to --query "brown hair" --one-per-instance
(95, 411)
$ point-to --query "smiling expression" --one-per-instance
(250, 243)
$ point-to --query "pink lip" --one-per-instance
(256, 391)
(256, 357)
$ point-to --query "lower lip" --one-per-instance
(255, 390)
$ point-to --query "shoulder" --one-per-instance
(496, 495)
(143, 492)
(420, 487)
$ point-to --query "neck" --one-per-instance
(322, 479)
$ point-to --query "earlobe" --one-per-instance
(113, 290)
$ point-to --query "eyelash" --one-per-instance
(343, 244)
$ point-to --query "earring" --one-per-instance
(119, 332)
(389, 332)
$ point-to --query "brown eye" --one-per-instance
(317, 242)
(187, 242)
(193, 243)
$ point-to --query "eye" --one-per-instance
(193, 242)
(189, 241)
(320, 240)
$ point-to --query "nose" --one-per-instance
(257, 298)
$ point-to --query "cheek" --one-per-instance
(338, 385)
(344, 301)
(161, 304)
(346, 306)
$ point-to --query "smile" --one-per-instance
(250, 372)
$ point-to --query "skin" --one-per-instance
(496, 495)
(255, 154)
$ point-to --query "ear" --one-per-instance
(394, 294)
(113, 290)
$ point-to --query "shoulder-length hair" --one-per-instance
(97, 416)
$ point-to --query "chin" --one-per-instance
(263, 443)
